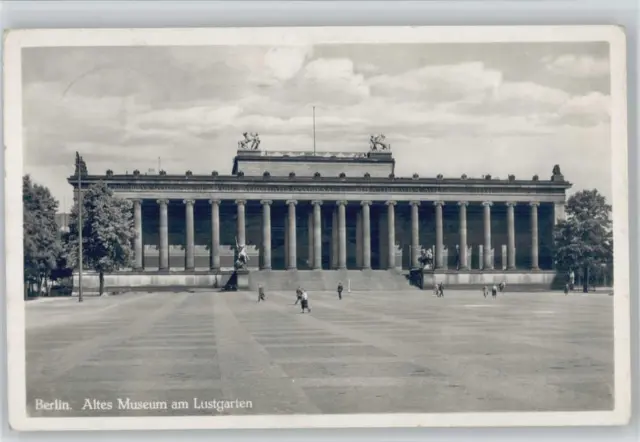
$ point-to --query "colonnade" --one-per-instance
(339, 238)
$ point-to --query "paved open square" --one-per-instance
(204, 353)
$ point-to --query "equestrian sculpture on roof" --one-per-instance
(251, 141)
(378, 143)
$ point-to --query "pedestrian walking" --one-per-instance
(340, 289)
(304, 301)
(441, 289)
(494, 291)
(261, 296)
(485, 291)
(298, 296)
(502, 286)
(566, 289)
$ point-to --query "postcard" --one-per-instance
(317, 227)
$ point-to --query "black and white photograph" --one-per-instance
(317, 227)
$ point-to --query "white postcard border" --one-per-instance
(14, 41)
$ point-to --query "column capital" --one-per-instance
(487, 203)
(438, 203)
(266, 202)
(189, 202)
(463, 203)
(316, 202)
(534, 203)
(241, 202)
(415, 203)
(511, 203)
(163, 202)
(342, 203)
(290, 202)
(136, 200)
(391, 203)
(214, 201)
(365, 203)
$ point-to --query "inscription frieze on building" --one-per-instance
(315, 189)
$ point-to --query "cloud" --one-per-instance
(578, 66)
(438, 83)
(190, 107)
(284, 63)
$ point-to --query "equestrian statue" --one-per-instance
(378, 143)
(251, 141)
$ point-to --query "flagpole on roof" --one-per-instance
(314, 130)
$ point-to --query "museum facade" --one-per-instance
(338, 211)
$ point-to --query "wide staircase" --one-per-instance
(327, 280)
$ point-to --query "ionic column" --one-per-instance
(342, 234)
(415, 235)
(439, 235)
(511, 235)
(317, 235)
(366, 234)
(164, 235)
(487, 235)
(334, 239)
(391, 221)
(558, 213)
(359, 239)
(464, 265)
(241, 238)
(266, 234)
(534, 236)
(189, 246)
(215, 234)
(137, 220)
(310, 238)
(292, 262)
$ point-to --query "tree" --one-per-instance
(107, 231)
(584, 241)
(41, 236)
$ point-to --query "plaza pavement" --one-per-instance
(371, 352)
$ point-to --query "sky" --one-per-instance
(451, 109)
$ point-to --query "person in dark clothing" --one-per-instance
(298, 296)
(494, 291)
(485, 291)
(441, 290)
(340, 289)
(502, 286)
(261, 296)
(566, 289)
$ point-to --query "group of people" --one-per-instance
(302, 296)
(494, 289)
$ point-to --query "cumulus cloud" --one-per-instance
(439, 83)
(579, 66)
(191, 107)
(284, 63)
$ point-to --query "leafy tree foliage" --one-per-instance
(584, 241)
(107, 231)
(41, 236)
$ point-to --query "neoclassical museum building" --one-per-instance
(314, 215)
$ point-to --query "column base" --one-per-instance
(511, 267)
(292, 268)
(535, 269)
(138, 269)
(214, 269)
(265, 268)
(463, 268)
(189, 269)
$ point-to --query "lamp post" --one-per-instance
(79, 169)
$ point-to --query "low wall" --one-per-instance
(162, 280)
(533, 279)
